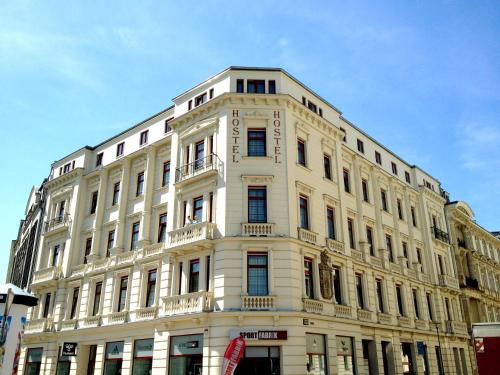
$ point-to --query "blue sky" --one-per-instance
(422, 77)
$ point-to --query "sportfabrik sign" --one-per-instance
(232, 356)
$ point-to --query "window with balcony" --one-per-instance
(116, 193)
(359, 291)
(379, 289)
(257, 274)
(93, 202)
(120, 147)
(388, 244)
(256, 142)
(399, 205)
(378, 158)
(122, 294)
(256, 86)
(110, 242)
(330, 222)
(361, 146)
(399, 300)
(347, 182)
(97, 298)
(98, 160)
(383, 200)
(139, 190)
(143, 138)
(162, 228)
(327, 166)
(257, 204)
(74, 302)
(46, 305)
(337, 285)
(364, 188)
(60, 210)
(199, 154)
(134, 240)
(416, 307)
(308, 278)
(88, 249)
(304, 212)
(194, 275)
(198, 209)
(301, 152)
(200, 99)
(350, 230)
(369, 239)
(165, 178)
(151, 288)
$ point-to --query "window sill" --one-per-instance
(330, 180)
(257, 157)
(303, 167)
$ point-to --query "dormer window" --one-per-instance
(200, 99)
(256, 86)
(144, 138)
(272, 87)
(312, 106)
(239, 86)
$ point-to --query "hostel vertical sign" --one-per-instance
(277, 137)
(235, 136)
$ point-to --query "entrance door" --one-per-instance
(260, 360)
(407, 358)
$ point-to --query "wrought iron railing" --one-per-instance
(57, 222)
(208, 163)
(440, 235)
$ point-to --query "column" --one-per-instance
(398, 254)
(382, 249)
(145, 238)
(122, 215)
(359, 208)
(99, 216)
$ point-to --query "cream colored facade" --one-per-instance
(420, 268)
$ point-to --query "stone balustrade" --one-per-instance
(192, 233)
(343, 311)
(307, 236)
(46, 275)
(334, 245)
(365, 315)
(258, 302)
(448, 281)
(313, 306)
(257, 229)
(146, 313)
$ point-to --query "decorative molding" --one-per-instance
(331, 200)
(262, 179)
(304, 188)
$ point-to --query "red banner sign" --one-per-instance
(232, 356)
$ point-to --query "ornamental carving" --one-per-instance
(325, 276)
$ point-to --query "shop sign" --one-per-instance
(68, 349)
(344, 345)
(114, 350)
(232, 356)
(186, 345)
(255, 334)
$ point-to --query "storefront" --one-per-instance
(33, 361)
(345, 356)
(113, 358)
(63, 364)
(186, 355)
(143, 357)
(315, 354)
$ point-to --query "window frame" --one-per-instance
(304, 222)
(151, 288)
(194, 276)
(139, 188)
(165, 177)
(250, 266)
(261, 142)
(134, 237)
(122, 293)
(309, 277)
(361, 146)
(116, 193)
(327, 166)
(253, 198)
(301, 152)
(120, 149)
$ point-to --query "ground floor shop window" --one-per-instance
(407, 358)
(114, 358)
(315, 354)
(92, 357)
(143, 357)
(63, 364)
(259, 360)
(345, 356)
(33, 361)
(186, 355)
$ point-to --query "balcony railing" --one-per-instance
(448, 281)
(68, 324)
(404, 321)
(189, 303)
(440, 235)
(46, 275)
(456, 327)
(461, 243)
(39, 326)
(210, 163)
(376, 261)
(421, 324)
(192, 233)
(313, 306)
(364, 315)
(258, 302)
(117, 317)
(357, 255)
(91, 321)
(59, 222)
(384, 318)
(343, 311)
(257, 229)
(146, 313)
(334, 245)
(307, 236)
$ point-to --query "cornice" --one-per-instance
(64, 179)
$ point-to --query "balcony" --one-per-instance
(39, 326)
(313, 306)
(78, 271)
(192, 233)
(343, 311)
(146, 313)
(257, 229)
(57, 224)
(99, 266)
(68, 324)
(46, 276)
(455, 327)
(357, 255)
(461, 243)
(334, 245)
(91, 321)
(404, 321)
(421, 325)
(151, 251)
(256, 303)
(307, 236)
(208, 166)
(190, 303)
(384, 318)
(440, 235)
(364, 315)
(448, 281)
(376, 261)
(117, 317)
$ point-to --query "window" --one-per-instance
(316, 354)
(179, 280)
(394, 168)
(256, 86)
(257, 274)
(415, 303)
(304, 212)
(60, 213)
(344, 138)
(350, 230)
(413, 216)
(399, 205)
(93, 202)
(151, 288)
(143, 138)
(361, 146)
(347, 184)
(200, 99)
(190, 105)
(399, 297)
(256, 142)
(359, 291)
(98, 161)
(111, 241)
(301, 152)
(199, 154)
(119, 149)
(380, 298)
(428, 297)
(419, 256)
(140, 184)
(345, 356)
(257, 204)
(388, 243)
(134, 241)
(46, 305)
(407, 177)
(97, 298)
(364, 187)
(330, 221)
(405, 251)
(33, 361)
(207, 273)
(67, 168)
(320, 112)
(143, 357)
(337, 289)
(308, 278)
(239, 85)
(313, 107)
(194, 276)
(88, 248)
(168, 127)
(113, 358)
(211, 93)
(122, 293)
(383, 199)
(116, 193)
(304, 101)
(327, 165)
(74, 302)
(369, 239)
(198, 209)
(55, 255)
(165, 179)
(162, 228)
(272, 86)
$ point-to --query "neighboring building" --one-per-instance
(24, 249)
(250, 207)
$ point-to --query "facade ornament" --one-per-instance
(325, 276)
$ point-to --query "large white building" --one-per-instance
(250, 207)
